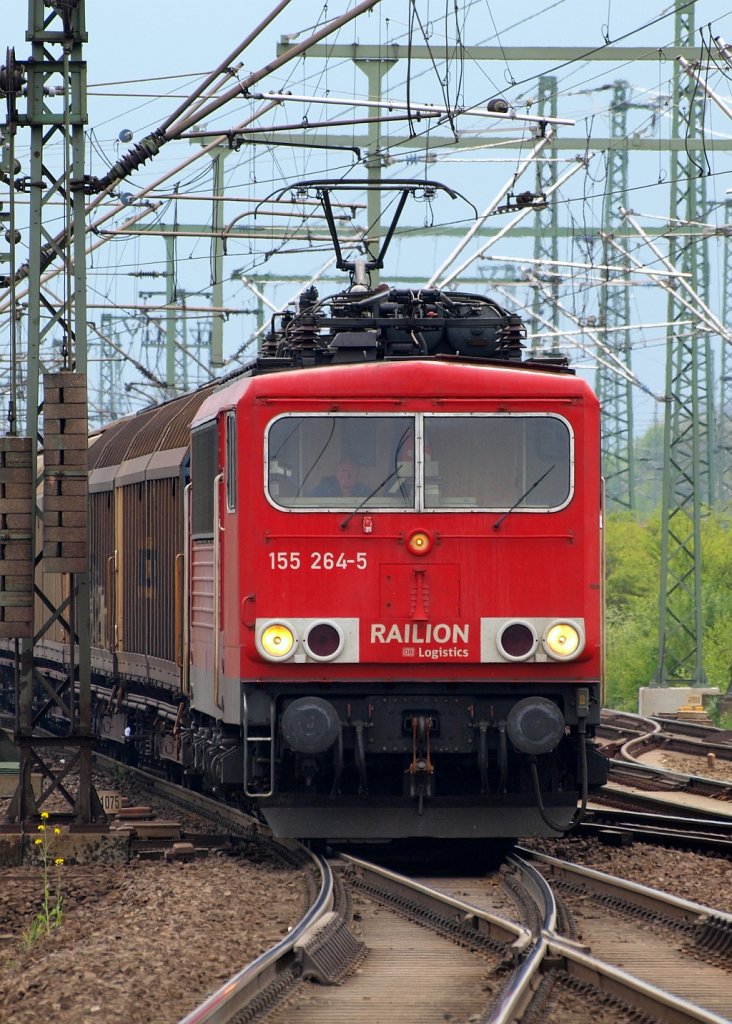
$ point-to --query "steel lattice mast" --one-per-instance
(723, 453)
(52, 543)
(615, 393)
(687, 480)
(546, 238)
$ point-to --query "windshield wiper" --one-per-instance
(516, 504)
(368, 498)
(383, 483)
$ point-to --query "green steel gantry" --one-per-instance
(615, 392)
(46, 96)
(723, 445)
(546, 223)
(688, 440)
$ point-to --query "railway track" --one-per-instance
(659, 778)
(630, 736)
(438, 950)
(636, 785)
(621, 826)
(661, 940)
(502, 947)
(433, 953)
(565, 966)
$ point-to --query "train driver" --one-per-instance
(344, 484)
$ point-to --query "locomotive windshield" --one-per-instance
(422, 461)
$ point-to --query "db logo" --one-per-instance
(407, 652)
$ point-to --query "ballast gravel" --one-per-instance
(141, 943)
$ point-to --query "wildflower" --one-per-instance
(50, 914)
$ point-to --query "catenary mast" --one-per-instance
(44, 554)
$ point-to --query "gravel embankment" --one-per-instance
(701, 878)
(139, 943)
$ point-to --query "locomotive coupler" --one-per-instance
(420, 770)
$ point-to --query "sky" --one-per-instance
(144, 59)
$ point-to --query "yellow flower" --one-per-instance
(56, 830)
(41, 828)
(44, 814)
(39, 842)
(59, 861)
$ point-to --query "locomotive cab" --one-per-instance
(410, 595)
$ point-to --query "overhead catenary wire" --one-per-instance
(580, 162)
(224, 68)
(702, 309)
(151, 145)
(130, 358)
(608, 357)
(174, 128)
(416, 109)
(503, 192)
(265, 327)
(563, 200)
(617, 267)
(95, 226)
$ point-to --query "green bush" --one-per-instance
(632, 590)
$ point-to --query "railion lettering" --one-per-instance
(420, 633)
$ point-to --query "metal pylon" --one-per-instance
(723, 434)
(614, 392)
(111, 387)
(687, 480)
(546, 236)
(54, 102)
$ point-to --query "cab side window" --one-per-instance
(231, 461)
(204, 468)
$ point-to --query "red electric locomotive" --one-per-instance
(394, 575)
(359, 583)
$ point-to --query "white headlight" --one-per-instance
(563, 640)
(276, 640)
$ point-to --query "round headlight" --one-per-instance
(563, 640)
(517, 641)
(323, 641)
(419, 542)
(277, 641)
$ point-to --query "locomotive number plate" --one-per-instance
(317, 561)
